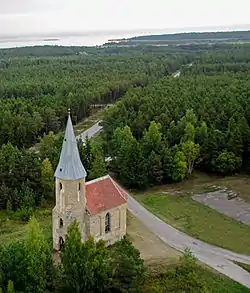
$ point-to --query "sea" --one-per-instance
(97, 38)
(86, 39)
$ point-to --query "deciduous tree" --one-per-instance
(191, 152)
(47, 179)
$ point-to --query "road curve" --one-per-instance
(90, 132)
(218, 258)
(215, 257)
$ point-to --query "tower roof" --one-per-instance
(70, 166)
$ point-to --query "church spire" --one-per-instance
(70, 166)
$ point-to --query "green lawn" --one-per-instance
(216, 283)
(198, 220)
(12, 229)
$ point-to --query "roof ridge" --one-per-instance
(117, 187)
(97, 179)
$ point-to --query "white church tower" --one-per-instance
(70, 189)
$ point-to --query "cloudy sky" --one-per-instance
(18, 17)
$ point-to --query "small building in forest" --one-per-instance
(99, 205)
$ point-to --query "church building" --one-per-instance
(99, 205)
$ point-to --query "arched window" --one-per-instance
(79, 186)
(60, 186)
(107, 223)
(61, 223)
(61, 243)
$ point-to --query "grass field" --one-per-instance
(202, 182)
(12, 229)
(215, 283)
(198, 220)
(152, 249)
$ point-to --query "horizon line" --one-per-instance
(187, 29)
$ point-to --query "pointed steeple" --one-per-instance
(70, 166)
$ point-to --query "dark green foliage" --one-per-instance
(185, 277)
(36, 92)
(28, 264)
(27, 203)
(18, 170)
(227, 163)
(47, 179)
(98, 167)
(50, 147)
(128, 159)
(211, 112)
(85, 266)
(129, 272)
(86, 153)
(13, 265)
(91, 267)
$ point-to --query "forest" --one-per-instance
(160, 133)
(158, 130)
(220, 37)
(35, 93)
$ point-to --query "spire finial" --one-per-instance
(69, 111)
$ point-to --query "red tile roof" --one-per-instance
(103, 194)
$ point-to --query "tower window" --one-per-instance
(79, 186)
(61, 243)
(61, 223)
(60, 186)
(107, 223)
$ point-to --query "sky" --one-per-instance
(29, 17)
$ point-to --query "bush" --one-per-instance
(185, 277)
(128, 267)
(27, 203)
(227, 163)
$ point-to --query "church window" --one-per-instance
(60, 186)
(107, 223)
(61, 243)
(79, 186)
(61, 223)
